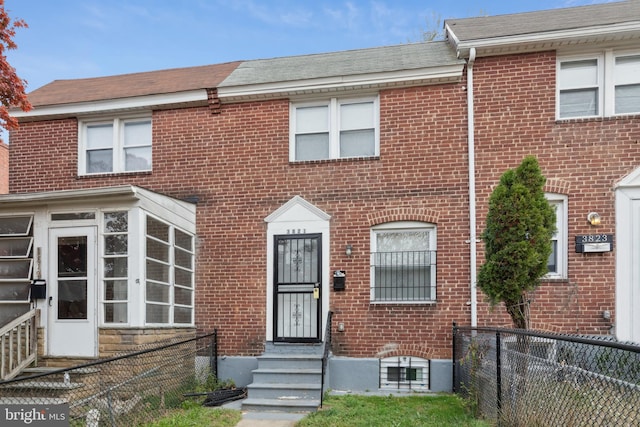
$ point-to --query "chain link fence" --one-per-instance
(127, 390)
(525, 378)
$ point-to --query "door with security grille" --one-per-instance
(298, 287)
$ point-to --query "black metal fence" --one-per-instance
(526, 378)
(127, 390)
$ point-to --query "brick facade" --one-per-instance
(237, 163)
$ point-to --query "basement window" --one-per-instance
(404, 373)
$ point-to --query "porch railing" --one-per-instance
(18, 344)
(325, 355)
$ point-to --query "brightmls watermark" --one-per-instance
(34, 415)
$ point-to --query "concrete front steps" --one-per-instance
(49, 383)
(288, 379)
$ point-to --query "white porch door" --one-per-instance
(72, 297)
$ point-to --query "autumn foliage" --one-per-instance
(12, 87)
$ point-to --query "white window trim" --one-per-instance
(171, 284)
(560, 201)
(606, 81)
(405, 362)
(117, 145)
(404, 226)
(334, 124)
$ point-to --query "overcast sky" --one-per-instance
(69, 39)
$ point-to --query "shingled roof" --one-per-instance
(131, 85)
(372, 68)
(532, 30)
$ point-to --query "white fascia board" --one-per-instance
(550, 39)
(122, 191)
(441, 74)
(96, 107)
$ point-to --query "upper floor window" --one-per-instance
(115, 146)
(557, 263)
(403, 262)
(334, 128)
(599, 85)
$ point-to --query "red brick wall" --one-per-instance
(583, 159)
(4, 168)
(237, 164)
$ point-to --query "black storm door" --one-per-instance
(297, 287)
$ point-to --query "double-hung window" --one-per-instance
(605, 84)
(627, 84)
(115, 145)
(403, 262)
(557, 263)
(333, 129)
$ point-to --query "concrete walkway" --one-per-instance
(264, 419)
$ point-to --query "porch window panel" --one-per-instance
(183, 296)
(116, 222)
(15, 225)
(157, 250)
(15, 247)
(157, 229)
(115, 313)
(72, 216)
(116, 290)
(9, 312)
(183, 315)
(157, 292)
(156, 313)
(116, 244)
(157, 271)
(15, 291)
(184, 240)
(115, 267)
(183, 259)
(13, 269)
(183, 277)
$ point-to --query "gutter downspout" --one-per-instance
(472, 189)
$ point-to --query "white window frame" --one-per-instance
(408, 226)
(170, 283)
(561, 236)
(606, 82)
(333, 105)
(117, 146)
(404, 362)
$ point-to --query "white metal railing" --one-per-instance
(18, 344)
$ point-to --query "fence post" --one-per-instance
(498, 376)
(213, 354)
(453, 358)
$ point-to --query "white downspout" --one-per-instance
(472, 189)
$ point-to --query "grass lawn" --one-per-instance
(199, 416)
(392, 411)
(347, 411)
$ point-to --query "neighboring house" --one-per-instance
(255, 197)
(4, 168)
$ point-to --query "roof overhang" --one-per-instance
(552, 40)
(138, 103)
(87, 195)
(354, 83)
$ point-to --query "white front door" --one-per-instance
(72, 292)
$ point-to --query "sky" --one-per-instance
(70, 39)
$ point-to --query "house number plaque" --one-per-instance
(594, 243)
